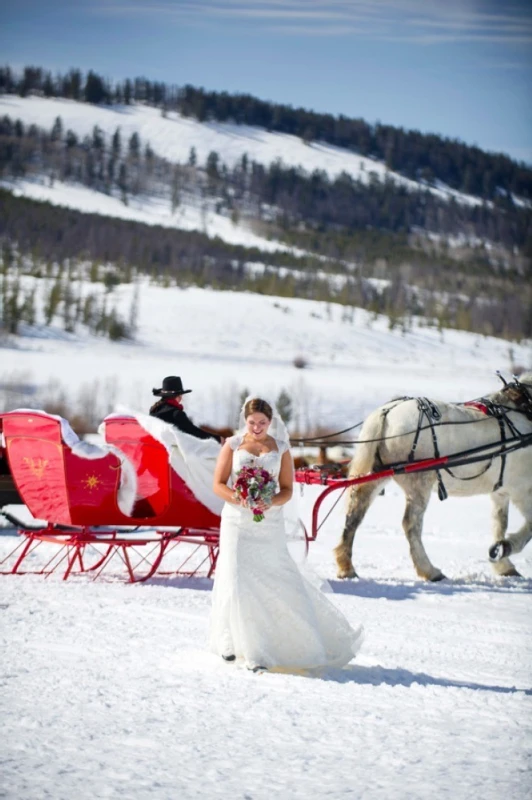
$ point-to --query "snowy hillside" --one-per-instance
(173, 137)
(149, 210)
(223, 342)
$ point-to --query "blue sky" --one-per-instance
(461, 68)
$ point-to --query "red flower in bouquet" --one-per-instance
(252, 485)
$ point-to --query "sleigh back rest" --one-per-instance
(56, 484)
(35, 454)
(150, 460)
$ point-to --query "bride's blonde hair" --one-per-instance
(256, 405)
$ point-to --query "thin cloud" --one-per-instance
(413, 21)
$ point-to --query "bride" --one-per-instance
(263, 610)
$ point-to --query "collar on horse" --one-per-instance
(520, 396)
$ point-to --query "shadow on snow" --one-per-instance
(400, 590)
(376, 676)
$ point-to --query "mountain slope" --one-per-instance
(173, 136)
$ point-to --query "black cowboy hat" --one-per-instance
(171, 385)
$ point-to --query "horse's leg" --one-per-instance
(501, 564)
(360, 499)
(515, 542)
(418, 490)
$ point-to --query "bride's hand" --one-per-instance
(262, 505)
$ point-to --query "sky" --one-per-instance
(459, 68)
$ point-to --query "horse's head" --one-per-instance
(517, 393)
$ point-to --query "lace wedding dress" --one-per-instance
(263, 610)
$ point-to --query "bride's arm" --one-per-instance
(286, 480)
(222, 473)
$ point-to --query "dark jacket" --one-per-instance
(176, 416)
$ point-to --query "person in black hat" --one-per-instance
(170, 409)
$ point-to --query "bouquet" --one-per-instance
(252, 485)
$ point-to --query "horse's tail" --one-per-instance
(365, 453)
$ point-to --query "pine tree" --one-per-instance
(116, 143)
(57, 130)
(94, 272)
(134, 145)
(94, 89)
(28, 312)
(175, 198)
(52, 300)
(71, 139)
(88, 313)
(48, 86)
(122, 183)
(68, 307)
(71, 84)
(111, 168)
(13, 307)
(284, 406)
(97, 138)
(212, 164)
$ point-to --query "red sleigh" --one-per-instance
(118, 508)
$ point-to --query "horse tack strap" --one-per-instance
(429, 410)
(491, 409)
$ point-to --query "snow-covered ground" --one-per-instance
(107, 688)
(221, 343)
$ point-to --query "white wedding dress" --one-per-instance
(263, 610)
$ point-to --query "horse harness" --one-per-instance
(518, 394)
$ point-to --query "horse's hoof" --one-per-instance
(344, 573)
(439, 577)
(511, 573)
(500, 550)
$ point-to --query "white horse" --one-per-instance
(418, 428)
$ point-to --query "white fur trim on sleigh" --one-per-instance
(193, 459)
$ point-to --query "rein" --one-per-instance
(480, 405)
(321, 439)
